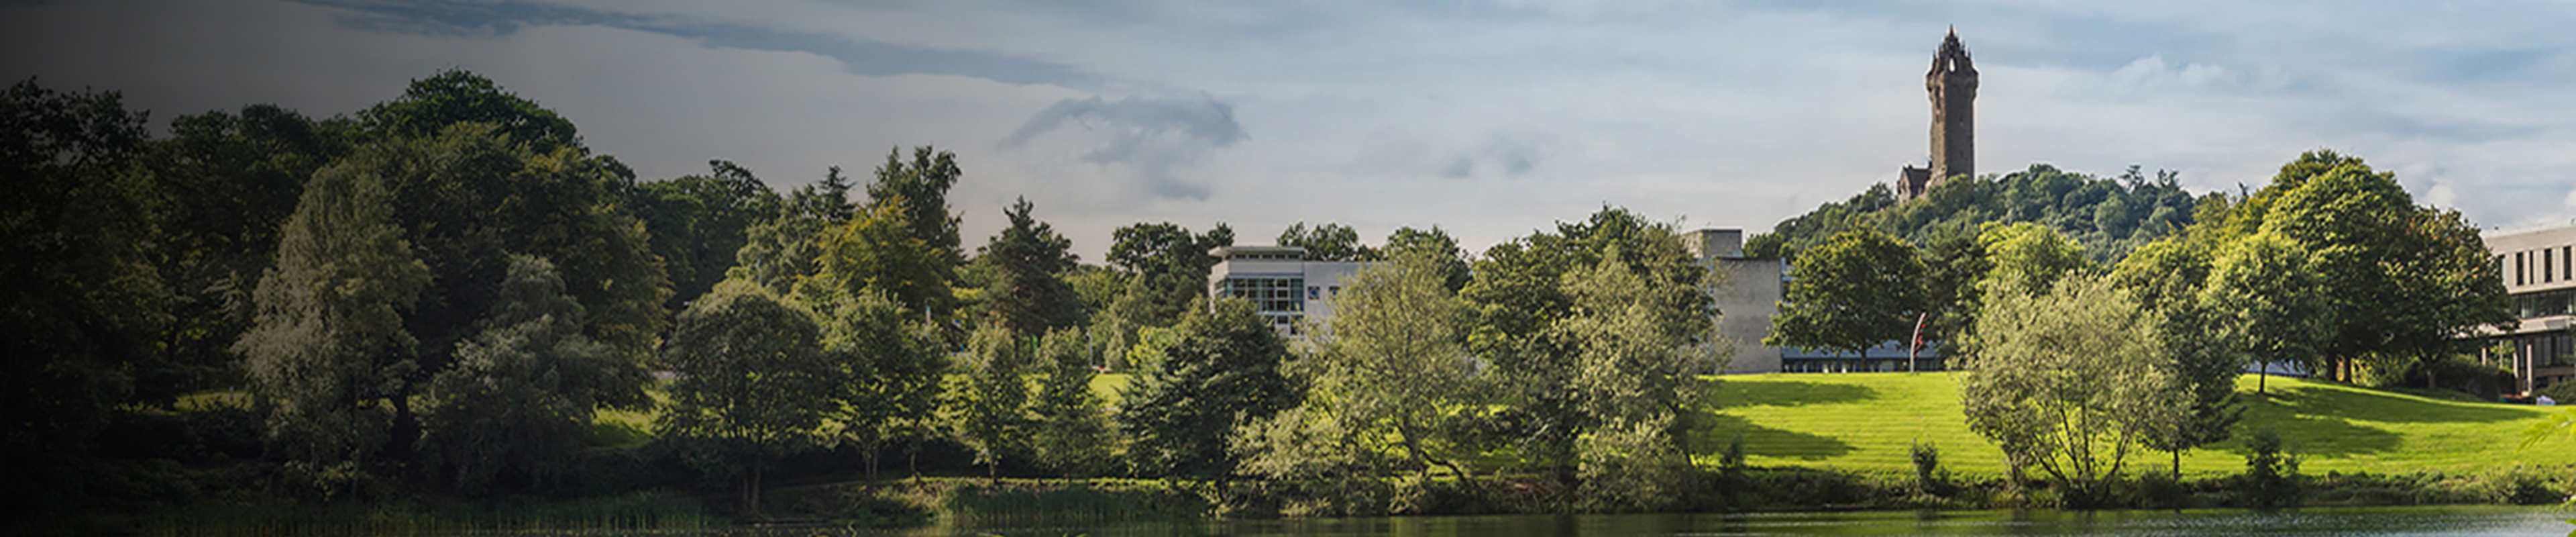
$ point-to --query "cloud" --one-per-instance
(860, 56)
(1150, 137)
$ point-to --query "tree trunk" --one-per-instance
(406, 426)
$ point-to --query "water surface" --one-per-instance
(2361, 521)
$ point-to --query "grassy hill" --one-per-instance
(1868, 421)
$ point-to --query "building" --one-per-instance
(1746, 298)
(2539, 269)
(1750, 295)
(1282, 284)
(1952, 83)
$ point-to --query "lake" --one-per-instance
(2358, 521)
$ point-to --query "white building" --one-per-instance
(2539, 270)
(1282, 285)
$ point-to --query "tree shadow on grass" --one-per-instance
(2307, 435)
(2368, 405)
(1789, 393)
(1710, 438)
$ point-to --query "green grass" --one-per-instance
(1867, 422)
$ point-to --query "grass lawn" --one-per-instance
(1868, 421)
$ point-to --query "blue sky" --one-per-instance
(1487, 118)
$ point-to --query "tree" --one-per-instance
(2274, 306)
(222, 185)
(988, 404)
(699, 223)
(1856, 291)
(2069, 381)
(1326, 242)
(751, 384)
(2167, 278)
(1223, 371)
(1392, 364)
(1168, 268)
(2026, 258)
(1521, 294)
(2107, 216)
(1071, 432)
(430, 105)
(81, 302)
(919, 192)
(328, 344)
(783, 246)
(2400, 280)
(511, 413)
(878, 252)
(1634, 373)
(1029, 295)
(894, 364)
(1435, 243)
(1953, 263)
(471, 198)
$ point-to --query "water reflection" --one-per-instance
(2376, 521)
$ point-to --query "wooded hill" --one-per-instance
(2109, 216)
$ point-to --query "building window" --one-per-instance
(1314, 293)
(2521, 266)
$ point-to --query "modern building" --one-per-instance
(1282, 284)
(1746, 298)
(1750, 295)
(2539, 269)
(1952, 84)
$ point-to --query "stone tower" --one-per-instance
(1952, 83)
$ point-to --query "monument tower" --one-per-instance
(1952, 83)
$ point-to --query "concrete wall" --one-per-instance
(1745, 304)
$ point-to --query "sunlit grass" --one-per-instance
(1869, 421)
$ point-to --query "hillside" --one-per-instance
(1868, 421)
(2109, 216)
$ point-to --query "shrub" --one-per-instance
(1928, 475)
(2271, 478)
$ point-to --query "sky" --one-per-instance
(1489, 119)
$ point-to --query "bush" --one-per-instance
(2271, 478)
(2515, 486)
(1928, 475)
(1630, 469)
(2564, 392)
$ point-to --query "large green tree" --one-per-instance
(894, 362)
(2400, 280)
(329, 348)
(987, 402)
(699, 223)
(1223, 371)
(81, 302)
(1434, 242)
(784, 245)
(512, 412)
(1028, 294)
(877, 252)
(223, 183)
(1859, 290)
(918, 191)
(1167, 267)
(1392, 366)
(2070, 382)
(1326, 242)
(752, 384)
(1520, 294)
(1070, 433)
